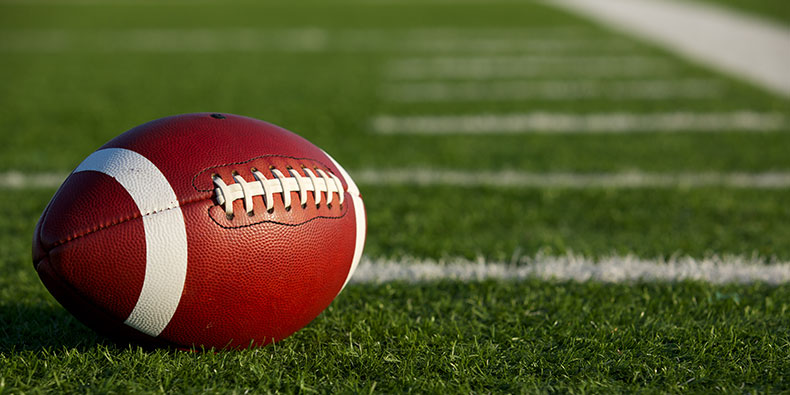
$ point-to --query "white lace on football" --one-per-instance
(323, 183)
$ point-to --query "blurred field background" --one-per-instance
(502, 132)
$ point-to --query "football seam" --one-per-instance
(119, 221)
(194, 179)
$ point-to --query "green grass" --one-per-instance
(502, 337)
(59, 104)
(776, 10)
(496, 223)
(278, 13)
(329, 97)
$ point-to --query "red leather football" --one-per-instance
(210, 230)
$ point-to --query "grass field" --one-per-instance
(776, 10)
(77, 73)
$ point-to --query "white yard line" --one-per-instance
(19, 180)
(499, 67)
(478, 45)
(502, 179)
(547, 122)
(522, 179)
(747, 47)
(614, 269)
(165, 40)
(654, 89)
(314, 39)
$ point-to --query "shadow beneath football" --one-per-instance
(33, 327)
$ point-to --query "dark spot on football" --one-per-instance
(217, 116)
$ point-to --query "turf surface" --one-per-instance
(502, 337)
(79, 73)
(776, 10)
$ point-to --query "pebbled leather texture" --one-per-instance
(250, 280)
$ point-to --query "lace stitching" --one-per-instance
(323, 183)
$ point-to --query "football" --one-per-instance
(201, 230)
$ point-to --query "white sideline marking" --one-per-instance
(548, 122)
(499, 67)
(517, 179)
(552, 90)
(613, 269)
(314, 39)
(745, 46)
(504, 178)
